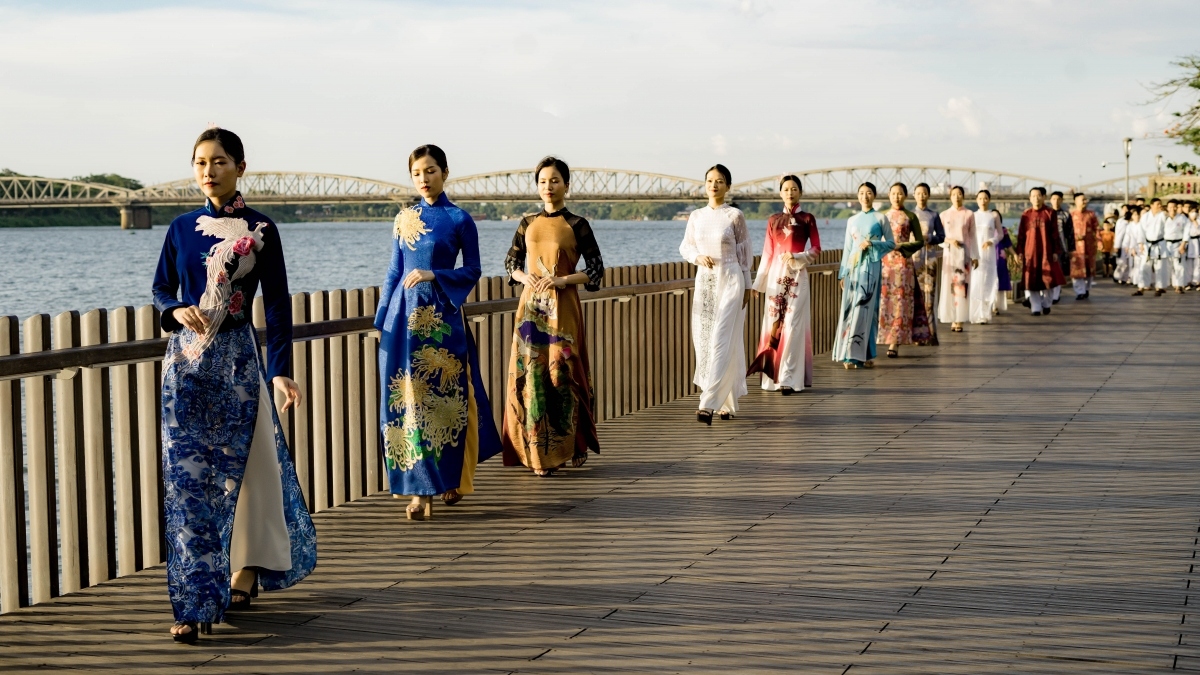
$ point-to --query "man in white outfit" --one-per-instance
(1154, 225)
(1175, 236)
(1192, 262)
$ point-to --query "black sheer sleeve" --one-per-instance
(515, 260)
(589, 250)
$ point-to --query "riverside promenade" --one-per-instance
(1024, 498)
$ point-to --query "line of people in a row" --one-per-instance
(893, 279)
(235, 516)
(1158, 247)
(236, 519)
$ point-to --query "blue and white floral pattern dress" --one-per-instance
(214, 391)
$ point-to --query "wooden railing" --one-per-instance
(80, 458)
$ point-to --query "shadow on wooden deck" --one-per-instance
(1025, 498)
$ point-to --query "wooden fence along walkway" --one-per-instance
(1024, 498)
(84, 446)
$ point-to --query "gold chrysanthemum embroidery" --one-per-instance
(426, 323)
(405, 391)
(400, 450)
(431, 360)
(409, 227)
(445, 418)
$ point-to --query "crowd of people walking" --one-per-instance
(236, 520)
(1156, 247)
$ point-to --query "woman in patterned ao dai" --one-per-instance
(232, 501)
(868, 239)
(549, 418)
(960, 255)
(902, 317)
(985, 282)
(434, 414)
(716, 241)
(785, 355)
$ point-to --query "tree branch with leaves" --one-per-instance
(1186, 129)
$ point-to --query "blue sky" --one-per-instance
(1029, 86)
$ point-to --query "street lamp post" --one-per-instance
(1128, 145)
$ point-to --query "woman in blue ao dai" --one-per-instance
(868, 239)
(232, 501)
(435, 416)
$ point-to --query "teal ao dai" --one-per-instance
(861, 275)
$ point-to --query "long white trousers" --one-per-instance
(260, 535)
(1040, 300)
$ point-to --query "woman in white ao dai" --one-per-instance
(718, 242)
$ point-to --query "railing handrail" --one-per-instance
(106, 355)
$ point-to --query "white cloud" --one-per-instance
(719, 145)
(965, 111)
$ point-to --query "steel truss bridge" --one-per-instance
(838, 184)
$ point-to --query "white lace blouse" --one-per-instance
(720, 234)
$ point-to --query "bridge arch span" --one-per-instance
(587, 184)
(841, 183)
(33, 192)
(286, 187)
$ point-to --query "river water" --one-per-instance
(57, 269)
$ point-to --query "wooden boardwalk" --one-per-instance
(1025, 498)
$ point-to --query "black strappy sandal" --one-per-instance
(704, 416)
(726, 415)
(579, 460)
(239, 600)
(892, 353)
(193, 635)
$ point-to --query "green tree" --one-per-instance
(1186, 130)
(111, 179)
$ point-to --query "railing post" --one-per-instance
(97, 459)
(68, 424)
(373, 456)
(337, 402)
(39, 458)
(354, 398)
(14, 580)
(319, 374)
(124, 447)
(149, 407)
(300, 439)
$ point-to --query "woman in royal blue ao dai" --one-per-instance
(435, 417)
(232, 500)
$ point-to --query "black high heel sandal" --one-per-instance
(193, 635)
(239, 601)
(726, 415)
(704, 416)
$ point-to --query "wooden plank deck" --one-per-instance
(1025, 498)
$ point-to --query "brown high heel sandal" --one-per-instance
(420, 510)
